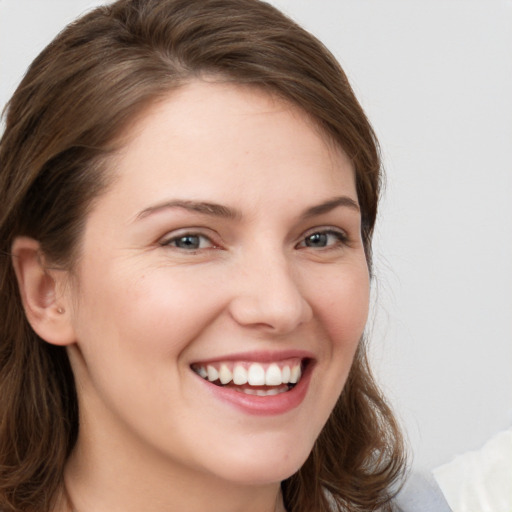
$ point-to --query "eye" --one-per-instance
(324, 239)
(189, 242)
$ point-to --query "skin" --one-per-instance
(138, 309)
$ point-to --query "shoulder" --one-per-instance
(421, 494)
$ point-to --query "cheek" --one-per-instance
(132, 328)
(341, 306)
(174, 306)
(141, 313)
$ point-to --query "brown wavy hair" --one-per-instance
(65, 119)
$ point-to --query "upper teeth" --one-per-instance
(254, 374)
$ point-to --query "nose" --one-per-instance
(268, 296)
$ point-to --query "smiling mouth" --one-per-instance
(251, 378)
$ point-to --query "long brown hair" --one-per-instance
(65, 119)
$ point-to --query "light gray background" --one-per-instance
(435, 78)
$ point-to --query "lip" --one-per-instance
(260, 357)
(262, 405)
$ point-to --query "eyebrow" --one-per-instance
(214, 209)
(219, 210)
(331, 204)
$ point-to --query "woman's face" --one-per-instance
(229, 244)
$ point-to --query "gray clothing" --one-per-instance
(421, 494)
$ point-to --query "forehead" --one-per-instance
(223, 98)
(206, 133)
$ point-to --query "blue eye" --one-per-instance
(316, 240)
(324, 239)
(190, 242)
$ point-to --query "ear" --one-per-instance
(42, 291)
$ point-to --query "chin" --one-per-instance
(265, 465)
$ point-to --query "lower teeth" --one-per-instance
(263, 392)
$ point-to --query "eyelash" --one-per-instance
(321, 235)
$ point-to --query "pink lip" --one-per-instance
(263, 405)
(260, 356)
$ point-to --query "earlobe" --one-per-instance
(42, 293)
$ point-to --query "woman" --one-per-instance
(189, 190)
